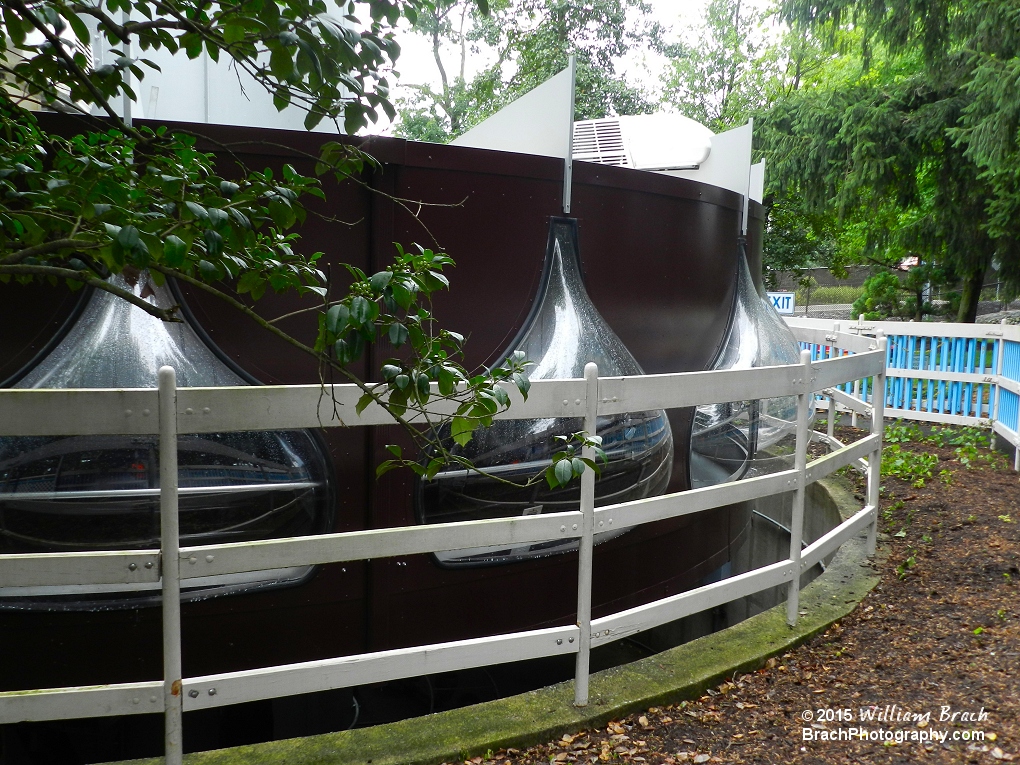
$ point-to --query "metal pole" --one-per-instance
(875, 460)
(125, 98)
(800, 464)
(173, 734)
(568, 161)
(587, 543)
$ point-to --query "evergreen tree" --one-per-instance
(930, 124)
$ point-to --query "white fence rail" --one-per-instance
(169, 411)
(958, 374)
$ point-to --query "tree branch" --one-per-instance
(46, 248)
(85, 277)
(58, 47)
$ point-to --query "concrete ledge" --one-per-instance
(530, 718)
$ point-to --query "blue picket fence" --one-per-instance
(966, 374)
(1008, 410)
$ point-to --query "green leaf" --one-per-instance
(213, 242)
(423, 387)
(523, 384)
(240, 218)
(174, 251)
(397, 334)
(363, 310)
(387, 466)
(447, 380)
(379, 281)
(197, 210)
(281, 98)
(282, 213)
(253, 283)
(563, 471)
(128, 237)
(336, 318)
(550, 477)
(461, 430)
(500, 395)
(356, 344)
(208, 270)
(281, 64)
(217, 216)
(342, 351)
(363, 402)
(233, 32)
(403, 296)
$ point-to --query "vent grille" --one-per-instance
(86, 50)
(600, 141)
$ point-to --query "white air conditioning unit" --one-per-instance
(646, 142)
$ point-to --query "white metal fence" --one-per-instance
(167, 411)
(959, 374)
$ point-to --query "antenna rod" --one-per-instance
(568, 161)
(126, 99)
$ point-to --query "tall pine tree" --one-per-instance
(931, 124)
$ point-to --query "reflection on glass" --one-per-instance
(563, 333)
(102, 492)
(741, 439)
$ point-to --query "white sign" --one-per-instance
(783, 302)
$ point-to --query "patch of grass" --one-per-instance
(829, 295)
(914, 467)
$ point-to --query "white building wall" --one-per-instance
(201, 90)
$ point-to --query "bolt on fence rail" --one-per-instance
(205, 410)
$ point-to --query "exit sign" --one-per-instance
(783, 302)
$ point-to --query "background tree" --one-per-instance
(528, 41)
(723, 76)
(931, 123)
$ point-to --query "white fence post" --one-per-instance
(875, 461)
(586, 542)
(173, 731)
(800, 465)
(857, 383)
(994, 413)
(830, 423)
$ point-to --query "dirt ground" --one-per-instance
(933, 651)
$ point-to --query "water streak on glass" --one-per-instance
(102, 492)
(741, 439)
(564, 332)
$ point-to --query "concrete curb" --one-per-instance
(680, 673)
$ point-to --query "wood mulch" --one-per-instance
(933, 650)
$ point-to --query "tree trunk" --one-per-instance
(969, 300)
